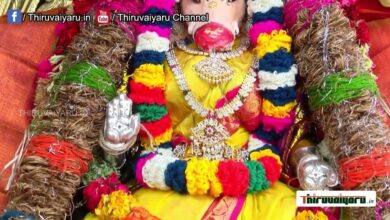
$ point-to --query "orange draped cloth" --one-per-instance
(22, 48)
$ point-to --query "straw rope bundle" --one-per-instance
(343, 97)
(70, 111)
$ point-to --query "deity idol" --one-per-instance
(216, 102)
(214, 106)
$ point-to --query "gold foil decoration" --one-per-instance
(31, 6)
(51, 4)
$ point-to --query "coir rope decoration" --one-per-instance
(62, 156)
(49, 174)
(356, 170)
(343, 96)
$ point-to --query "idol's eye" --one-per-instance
(230, 1)
(196, 1)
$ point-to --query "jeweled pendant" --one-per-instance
(214, 70)
(208, 139)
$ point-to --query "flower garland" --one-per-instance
(160, 169)
(148, 81)
(276, 69)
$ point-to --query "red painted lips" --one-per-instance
(213, 37)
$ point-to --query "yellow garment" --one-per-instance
(183, 117)
(278, 202)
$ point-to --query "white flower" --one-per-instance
(276, 80)
(254, 143)
(153, 171)
(151, 41)
(262, 5)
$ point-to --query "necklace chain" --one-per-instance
(244, 45)
(227, 109)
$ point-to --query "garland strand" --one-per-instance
(148, 79)
(161, 170)
(276, 69)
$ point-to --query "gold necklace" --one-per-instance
(214, 69)
(209, 136)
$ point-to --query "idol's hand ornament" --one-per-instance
(121, 127)
(312, 171)
(315, 174)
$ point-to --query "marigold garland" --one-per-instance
(201, 176)
(102, 186)
(268, 43)
(257, 179)
(215, 186)
(149, 73)
(272, 46)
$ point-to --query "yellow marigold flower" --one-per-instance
(269, 109)
(115, 206)
(215, 185)
(151, 75)
(309, 215)
(264, 153)
(197, 176)
(269, 43)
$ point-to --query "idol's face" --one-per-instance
(225, 18)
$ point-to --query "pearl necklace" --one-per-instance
(227, 109)
(214, 69)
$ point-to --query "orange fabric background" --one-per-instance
(23, 46)
(380, 54)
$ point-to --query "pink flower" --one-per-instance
(102, 186)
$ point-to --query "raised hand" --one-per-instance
(121, 125)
